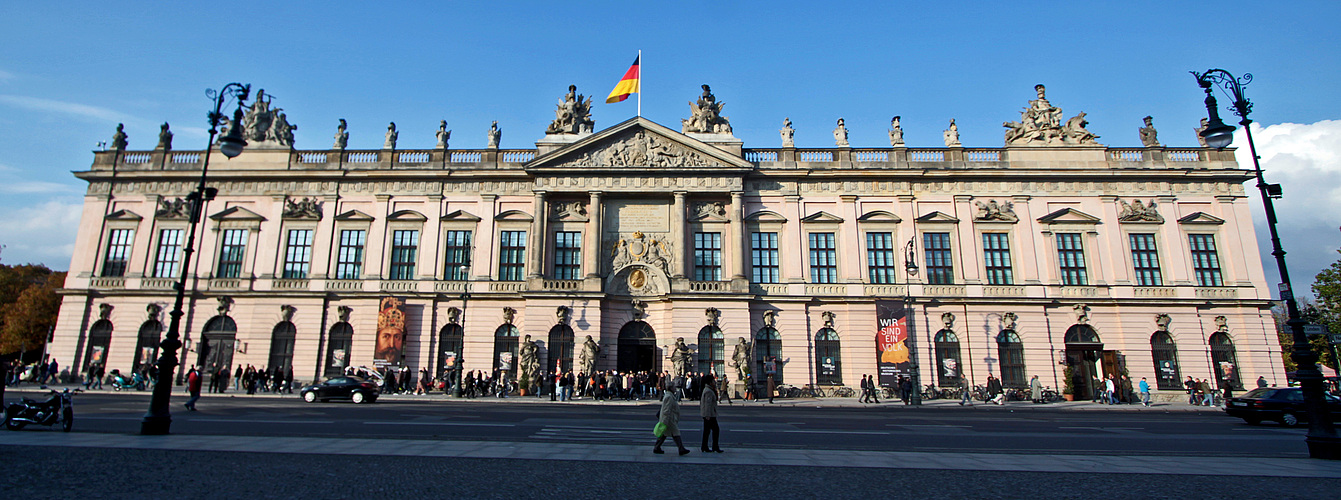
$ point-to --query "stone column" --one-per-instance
(736, 262)
(535, 255)
(591, 262)
(681, 252)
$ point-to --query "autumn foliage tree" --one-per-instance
(28, 305)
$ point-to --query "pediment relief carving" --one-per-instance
(1066, 215)
(572, 211)
(1137, 211)
(174, 208)
(639, 142)
(707, 211)
(306, 208)
(1201, 218)
(991, 210)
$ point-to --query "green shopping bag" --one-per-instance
(659, 429)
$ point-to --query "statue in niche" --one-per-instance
(714, 315)
(306, 208)
(391, 136)
(528, 362)
(444, 135)
(771, 318)
(509, 314)
(948, 319)
(788, 133)
(1205, 124)
(176, 208)
(563, 314)
(573, 115)
(343, 312)
(840, 134)
(1082, 313)
(706, 115)
(1041, 125)
(680, 357)
(895, 132)
(740, 358)
(995, 211)
(120, 140)
(105, 311)
(1162, 322)
(1008, 321)
(454, 315)
(1139, 212)
(951, 135)
(341, 135)
(164, 137)
(1149, 137)
(586, 356)
(225, 305)
(495, 135)
(829, 318)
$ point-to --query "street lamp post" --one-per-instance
(910, 265)
(459, 367)
(1322, 439)
(159, 419)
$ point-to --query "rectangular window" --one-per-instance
(118, 252)
(511, 255)
(996, 258)
(298, 256)
(349, 265)
(456, 264)
(880, 258)
(1071, 258)
(567, 255)
(169, 253)
(231, 253)
(404, 246)
(940, 265)
(823, 258)
(764, 257)
(1205, 263)
(707, 256)
(1145, 260)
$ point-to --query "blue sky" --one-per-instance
(70, 71)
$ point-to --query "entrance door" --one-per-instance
(637, 348)
(1084, 369)
(216, 345)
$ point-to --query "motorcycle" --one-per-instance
(136, 381)
(57, 408)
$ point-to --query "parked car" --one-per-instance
(356, 389)
(1281, 404)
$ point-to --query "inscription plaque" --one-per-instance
(629, 216)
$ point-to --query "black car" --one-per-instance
(356, 389)
(1281, 404)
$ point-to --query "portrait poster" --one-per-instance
(505, 361)
(448, 360)
(891, 342)
(390, 332)
(96, 355)
(338, 358)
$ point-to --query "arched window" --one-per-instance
(1082, 334)
(711, 351)
(560, 348)
(282, 339)
(828, 358)
(948, 362)
(506, 342)
(1165, 354)
(1224, 359)
(339, 348)
(217, 343)
(450, 342)
(1010, 352)
(146, 346)
(99, 338)
(767, 347)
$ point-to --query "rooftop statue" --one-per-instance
(1205, 124)
(495, 135)
(788, 133)
(120, 140)
(1041, 125)
(1149, 138)
(391, 136)
(264, 127)
(706, 115)
(164, 137)
(951, 135)
(573, 115)
(895, 132)
(444, 135)
(341, 135)
(840, 134)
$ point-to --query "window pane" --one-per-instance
(511, 255)
(404, 246)
(568, 255)
(996, 257)
(457, 261)
(1145, 260)
(118, 252)
(350, 264)
(168, 254)
(880, 257)
(707, 256)
(298, 257)
(1205, 262)
(823, 258)
(231, 253)
(1071, 256)
(764, 257)
(940, 266)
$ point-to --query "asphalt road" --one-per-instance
(1018, 428)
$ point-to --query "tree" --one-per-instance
(28, 305)
(1325, 311)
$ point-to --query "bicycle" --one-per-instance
(842, 392)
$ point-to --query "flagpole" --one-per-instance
(640, 83)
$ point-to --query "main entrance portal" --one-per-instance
(1083, 350)
(637, 348)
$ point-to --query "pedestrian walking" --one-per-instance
(905, 390)
(865, 389)
(1262, 382)
(966, 393)
(669, 416)
(995, 391)
(1035, 390)
(1191, 386)
(1145, 392)
(1110, 391)
(193, 388)
(707, 408)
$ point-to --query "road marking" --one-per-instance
(928, 425)
(256, 421)
(812, 432)
(1107, 428)
(467, 424)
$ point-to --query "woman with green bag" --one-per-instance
(668, 421)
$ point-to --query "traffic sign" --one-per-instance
(1335, 338)
(1314, 330)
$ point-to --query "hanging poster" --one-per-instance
(891, 342)
(390, 332)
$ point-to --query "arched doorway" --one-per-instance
(505, 349)
(217, 342)
(1165, 354)
(560, 348)
(1224, 359)
(282, 339)
(947, 358)
(711, 351)
(637, 348)
(767, 347)
(451, 339)
(828, 358)
(146, 346)
(1010, 351)
(99, 338)
(1083, 351)
(338, 349)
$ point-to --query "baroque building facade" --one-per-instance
(1050, 253)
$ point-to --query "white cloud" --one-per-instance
(5, 76)
(53, 106)
(43, 233)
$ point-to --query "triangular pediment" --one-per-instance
(237, 213)
(937, 216)
(461, 215)
(879, 216)
(638, 143)
(354, 215)
(822, 216)
(123, 215)
(407, 216)
(765, 216)
(1200, 218)
(1066, 215)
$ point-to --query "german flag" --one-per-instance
(627, 85)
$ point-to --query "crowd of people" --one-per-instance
(251, 380)
(47, 371)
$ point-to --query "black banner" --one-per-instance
(891, 342)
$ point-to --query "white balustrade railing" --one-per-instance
(982, 155)
(186, 157)
(1184, 155)
(363, 157)
(870, 156)
(1126, 155)
(925, 155)
(464, 157)
(412, 157)
(517, 156)
(709, 286)
(136, 158)
(311, 157)
(814, 155)
(758, 156)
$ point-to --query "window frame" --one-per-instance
(342, 265)
(707, 256)
(1000, 274)
(1217, 270)
(942, 273)
(225, 263)
(878, 272)
(174, 265)
(1069, 271)
(458, 245)
(403, 258)
(506, 253)
(567, 258)
(823, 260)
(761, 257)
(117, 252)
(1151, 273)
(304, 261)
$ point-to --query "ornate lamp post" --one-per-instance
(1322, 439)
(910, 265)
(159, 419)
